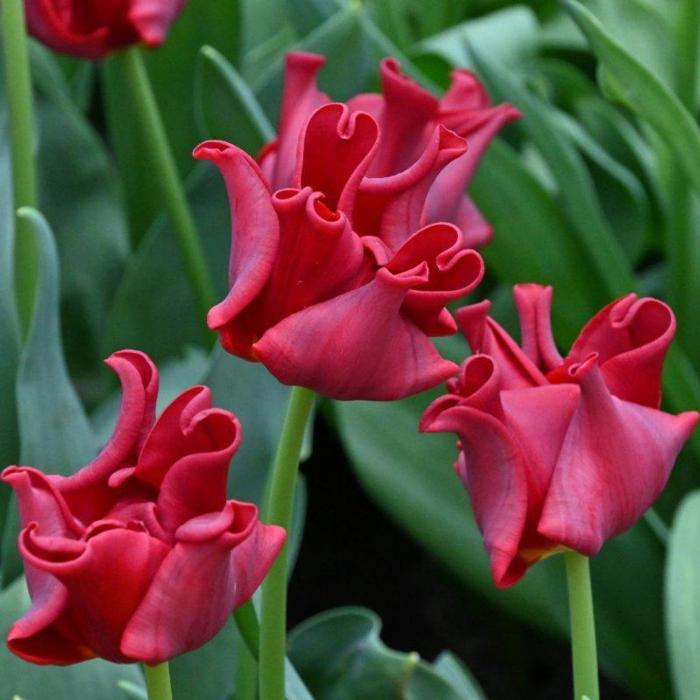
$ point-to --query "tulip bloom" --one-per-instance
(561, 453)
(340, 270)
(95, 28)
(139, 556)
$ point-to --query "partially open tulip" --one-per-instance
(352, 232)
(139, 556)
(95, 28)
(561, 453)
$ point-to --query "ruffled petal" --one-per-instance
(87, 492)
(357, 345)
(300, 98)
(106, 578)
(196, 483)
(336, 148)
(631, 337)
(392, 207)
(406, 120)
(534, 304)
(453, 273)
(219, 562)
(615, 460)
(486, 336)
(477, 231)
(255, 238)
(43, 635)
(493, 471)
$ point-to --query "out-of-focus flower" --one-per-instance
(139, 556)
(561, 453)
(95, 28)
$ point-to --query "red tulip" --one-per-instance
(95, 28)
(139, 556)
(407, 117)
(561, 453)
(339, 269)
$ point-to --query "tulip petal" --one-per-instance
(486, 336)
(346, 139)
(254, 244)
(357, 345)
(87, 492)
(631, 337)
(534, 303)
(198, 586)
(453, 273)
(152, 18)
(106, 579)
(594, 493)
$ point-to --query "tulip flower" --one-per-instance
(561, 453)
(340, 266)
(95, 28)
(139, 556)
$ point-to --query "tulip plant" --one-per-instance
(316, 288)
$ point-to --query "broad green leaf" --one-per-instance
(294, 686)
(172, 71)
(306, 15)
(682, 598)
(576, 191)
(89, 680)
(340, 656)
(508, 35)
(153, 309)
(226, 106)
(454, 671)
(78, 192)
(55, 434)
(626, 80)
(132, 691)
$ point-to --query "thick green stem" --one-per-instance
(166, 175)
(282, 486)
(583, 645)
(19, 100)
(158, 682)
(249, 627)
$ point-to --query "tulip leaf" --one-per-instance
(226, 106)
(682, 598)
(340, 656)
(93, 679)
(132, 691)
(626, 80)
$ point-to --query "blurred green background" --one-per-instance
(594, 191)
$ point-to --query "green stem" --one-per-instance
(282, 485)
(158, 681)
(246, 673)
(583, 645)
(248, 627)
(166, 175)
(19, 100)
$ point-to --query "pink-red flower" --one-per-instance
(352, 233)
(561, 453)
(95, 28)
(139, 556)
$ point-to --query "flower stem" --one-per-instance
(158, 681)
(282, 486)
(19, 100)
(166, 175)
(583, 644)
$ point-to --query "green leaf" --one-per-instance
(55, 434)
(576, 191)
(682, 598)
(508, 35)
(172, 70)
(132, 691)
(306, 15)
(92, 679)
(226, 106)
(454, 671)
(627, 81)
(340, 656)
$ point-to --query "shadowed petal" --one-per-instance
(214, 569)
(152, 18)
(357, 345)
